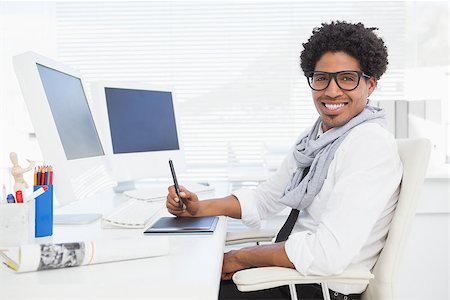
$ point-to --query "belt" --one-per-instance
(338, 296)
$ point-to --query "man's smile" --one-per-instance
(333, 107)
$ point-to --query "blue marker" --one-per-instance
(10, 198)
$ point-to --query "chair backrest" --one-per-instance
(414, 154)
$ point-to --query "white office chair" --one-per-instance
(382, 281)
(263, 235)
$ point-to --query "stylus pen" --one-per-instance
(175, 183)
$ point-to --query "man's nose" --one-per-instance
(333, 90)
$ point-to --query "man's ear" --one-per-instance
(371, 85)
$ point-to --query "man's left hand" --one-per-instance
(232, 264)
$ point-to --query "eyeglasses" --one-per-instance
(345, 80)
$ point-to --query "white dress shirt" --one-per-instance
(348, 220)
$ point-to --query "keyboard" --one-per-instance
(159, 193)
(133, 213)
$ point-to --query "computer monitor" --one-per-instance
(139, 130)
(64, 126)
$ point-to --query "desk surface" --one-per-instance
(190, 271)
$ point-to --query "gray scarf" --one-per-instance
(317, 153)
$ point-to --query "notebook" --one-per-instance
(183, 225)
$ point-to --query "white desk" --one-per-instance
(190, 271)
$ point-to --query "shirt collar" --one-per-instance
(319, 132)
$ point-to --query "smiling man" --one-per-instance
(341, 178)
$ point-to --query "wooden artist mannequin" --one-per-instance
(17, 172)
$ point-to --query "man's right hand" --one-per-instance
(190, 200)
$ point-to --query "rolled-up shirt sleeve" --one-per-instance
(262, 202)
(360, 190)
(249, 211)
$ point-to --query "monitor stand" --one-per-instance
(123, 186)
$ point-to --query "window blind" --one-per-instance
(233, 65)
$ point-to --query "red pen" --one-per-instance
(51, 175)
(42, 176)
(19, 197)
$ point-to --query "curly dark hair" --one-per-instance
(354, 39)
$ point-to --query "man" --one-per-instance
(342, 175)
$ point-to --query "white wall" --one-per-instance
(23, 27)
(425, 269)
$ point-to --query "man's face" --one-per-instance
(336, 106)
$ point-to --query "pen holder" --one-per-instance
(16, 224)
(44, 212)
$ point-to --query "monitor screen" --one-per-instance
(71, 113)
(141, 120)
(139, 129)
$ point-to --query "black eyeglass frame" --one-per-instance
(333, 75)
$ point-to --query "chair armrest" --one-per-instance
(269, 277)
(249, 236)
